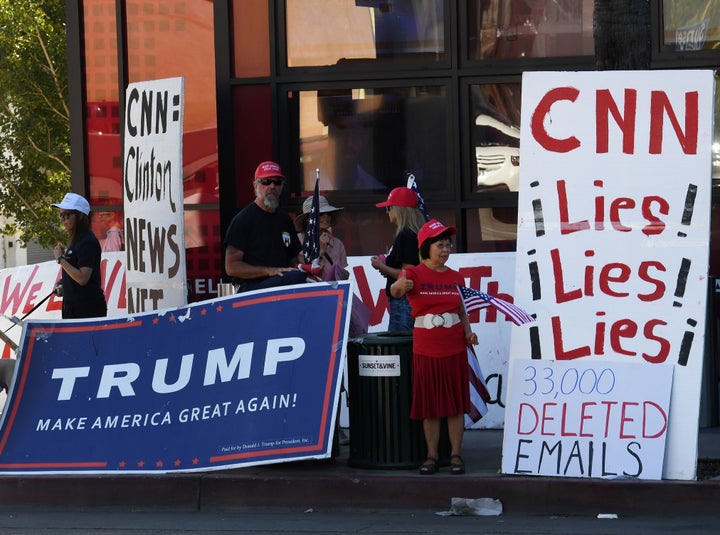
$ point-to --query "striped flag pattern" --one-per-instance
(412, 184)
(311, 244)
(479, 395)
(475, 299)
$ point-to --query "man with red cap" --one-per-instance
(262, 249)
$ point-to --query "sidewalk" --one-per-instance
(317, 484)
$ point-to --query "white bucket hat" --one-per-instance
(325, 207)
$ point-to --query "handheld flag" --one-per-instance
(479, 395)
(412, 184)
(311, 243)
(474, 300)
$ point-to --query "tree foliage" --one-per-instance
(34, 117)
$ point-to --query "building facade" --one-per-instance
(357, 93)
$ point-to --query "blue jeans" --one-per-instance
(401, 319)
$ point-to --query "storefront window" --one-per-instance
(491, 230)
(495, 137)
(321, 33)
(507, 29)
(368, 139)
(691, 25)
(251, 38)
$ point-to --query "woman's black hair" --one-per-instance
(425, 246)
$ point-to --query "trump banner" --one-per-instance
(242, 380)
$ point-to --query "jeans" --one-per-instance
(401, 319)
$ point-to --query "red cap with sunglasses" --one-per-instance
(268, 170)
(400, 197)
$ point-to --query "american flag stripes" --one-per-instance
(475, 299)
(479, 395)
(412, 184)
(311, 243)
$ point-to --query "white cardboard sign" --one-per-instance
(613, 228)
(586, 419)
(153, 195)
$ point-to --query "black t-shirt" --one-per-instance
(404, 251)
(86, 252)
(265, 239)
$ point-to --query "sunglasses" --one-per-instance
(66, 215)
(268, 181)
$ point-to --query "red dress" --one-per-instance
(440, 366)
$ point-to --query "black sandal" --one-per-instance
(430, 466)
(457, 468)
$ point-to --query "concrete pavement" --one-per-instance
(312, 484)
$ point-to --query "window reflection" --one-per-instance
(492, 230)
(500, 29)
(326, 33)
(691, 25)
(496, 136)
(367, 139)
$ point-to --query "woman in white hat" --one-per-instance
(82, 292)
(333, 258)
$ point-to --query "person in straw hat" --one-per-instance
(333, 258)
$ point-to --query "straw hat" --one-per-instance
(325, 208)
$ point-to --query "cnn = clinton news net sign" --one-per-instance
(613, 235)
(153, 195)
(243, 380)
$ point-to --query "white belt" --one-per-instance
(429, 321)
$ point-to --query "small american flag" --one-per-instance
(474, 300)
(311, 243)
(412, 184)
(479, 395)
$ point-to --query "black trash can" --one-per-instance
(382, 435)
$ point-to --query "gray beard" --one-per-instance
(271, 203)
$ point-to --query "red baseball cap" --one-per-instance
(433, 228)
(267, 170)
(400, 197)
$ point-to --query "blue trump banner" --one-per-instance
(248, 379)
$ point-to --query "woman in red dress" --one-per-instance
(440, 337)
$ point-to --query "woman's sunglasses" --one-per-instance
(66, 215)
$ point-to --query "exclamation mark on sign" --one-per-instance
(681, 281)
(689, 207)
(534, 277)
(686, 344)
(535, 352)
(538, 213)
